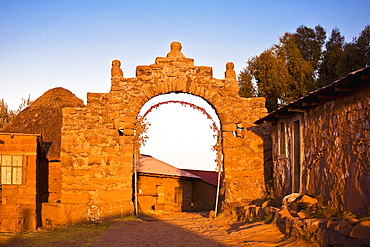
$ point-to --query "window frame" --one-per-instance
(293, 155)
(282, 139)
(12, 172)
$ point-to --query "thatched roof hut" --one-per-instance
(44, 116)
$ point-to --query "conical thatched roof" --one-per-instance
(44, 116)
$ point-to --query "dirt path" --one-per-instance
(192, 229)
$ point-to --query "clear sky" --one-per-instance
(70, 44)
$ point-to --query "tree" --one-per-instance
(247, 89)
(287, 70)
(356, 54)
(6, 115)
(328, 69)
(298, 64)
(310, 42)
(363, 45)
(272, 77)
(301, 70)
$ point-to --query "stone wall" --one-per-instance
(98, 140)
(204, 196)
(340, 130)
(335, 154)
(54, 182)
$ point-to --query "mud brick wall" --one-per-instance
(204, 196)
(148, 194)
(96, 161)
(18, 201)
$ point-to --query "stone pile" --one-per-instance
(296, 218)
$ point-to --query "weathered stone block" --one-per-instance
(344, 228)
(361, 230)
(95, 159)
(74, 197)
(122, 195)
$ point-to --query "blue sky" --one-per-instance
(47, 44)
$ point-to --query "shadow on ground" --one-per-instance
(159, 229)
(150, 233)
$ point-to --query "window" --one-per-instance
(281, 138)
(11, 169)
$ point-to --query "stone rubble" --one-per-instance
(296, 219)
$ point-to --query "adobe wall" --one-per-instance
(18, 201)
(96, 161)
(336, 148)
(147, 193)
(204, 196)
(54, 181)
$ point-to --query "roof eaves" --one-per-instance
(20, 134)
(304, 101)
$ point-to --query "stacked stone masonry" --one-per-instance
(98, 141)
(335, 153)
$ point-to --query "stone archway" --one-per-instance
(98, 140)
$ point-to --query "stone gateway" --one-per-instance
(98, 141)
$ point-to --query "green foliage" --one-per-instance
(310, 42)
(298, 64)
(268, 218)
(328, 71)
(300, 70)
(246, 84)
(319, 211)
(271, 76)
(356, 54)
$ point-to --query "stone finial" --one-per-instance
(116, 70)
(175, 50)
(230, 72)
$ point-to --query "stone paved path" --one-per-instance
(192, 229)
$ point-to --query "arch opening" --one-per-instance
(184, 132)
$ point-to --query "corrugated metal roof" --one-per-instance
(148, 164)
